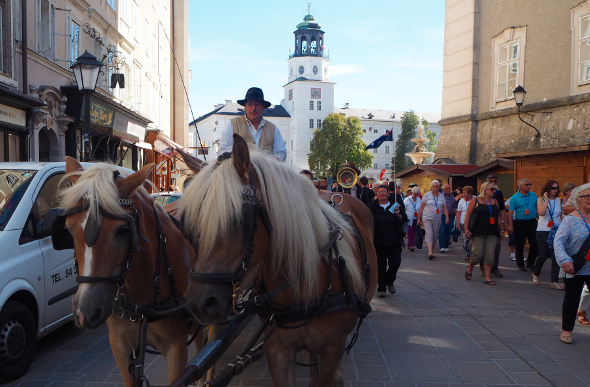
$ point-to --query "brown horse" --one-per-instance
(257, 224)
(132, 262)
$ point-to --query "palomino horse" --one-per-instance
(257, 224)
(133, 264)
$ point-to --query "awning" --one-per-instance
(125, 136)
(143, 144)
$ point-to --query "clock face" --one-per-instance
(301, 69)
(315, 70)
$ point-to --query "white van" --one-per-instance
(36, 281)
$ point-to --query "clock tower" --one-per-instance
(309, 94)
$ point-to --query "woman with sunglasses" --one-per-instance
(550, 215)
(484, 231)
(570, 238)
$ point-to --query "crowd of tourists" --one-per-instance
(556, 229)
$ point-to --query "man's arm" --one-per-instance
(279, 148)
(226, 141)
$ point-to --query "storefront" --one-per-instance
(15, 112)
(117, 133)
(171, 172)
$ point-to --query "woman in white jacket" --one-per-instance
(412, 204)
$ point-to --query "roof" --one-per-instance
(235, 109)
(309, 23)
(383, 115)
(444, 169)
(509, 164)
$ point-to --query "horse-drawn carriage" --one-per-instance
(254, 245)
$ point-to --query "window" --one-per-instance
(386, 166)
(147, 38)
(124, 10)
(310, 105)
(364, 130)
(111, 3)
(507, 70)
(154, 49)
(375, 166)
(508, 66)
(137, 87)
(375, 150)
(386, 148)
(74, 42)
(319, 105)
(319, 124)
(136, 21)
(291, 145)
(375, 130)
(311, 124)
(46, 28)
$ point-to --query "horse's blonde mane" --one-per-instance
(97, 187)
(212, 211)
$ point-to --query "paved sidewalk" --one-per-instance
(437, 330)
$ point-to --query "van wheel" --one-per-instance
(18, 340)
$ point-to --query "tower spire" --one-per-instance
(309, 8)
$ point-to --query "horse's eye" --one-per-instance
(123, 230)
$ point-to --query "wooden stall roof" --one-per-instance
(442, 169)
(546, 151)
(508, 164)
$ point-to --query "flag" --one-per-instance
(381, 175)
(377, 143)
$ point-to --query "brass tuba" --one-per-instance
(346, 176)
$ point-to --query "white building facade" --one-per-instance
(308, 99)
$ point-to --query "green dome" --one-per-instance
(308, 23)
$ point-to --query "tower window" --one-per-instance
(301, 69)
(319, 105)
(311, 123)
(319, 124)
(303, 45)
(310, 105)
(313, 46)
(386, 148)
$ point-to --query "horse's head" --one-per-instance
(101, 223)
(225, 219)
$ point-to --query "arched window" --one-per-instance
(313, 46)
(304, 47)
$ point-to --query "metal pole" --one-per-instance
(86, 126)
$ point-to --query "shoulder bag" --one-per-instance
(579, 258)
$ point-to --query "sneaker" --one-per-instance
(391, 289)
(447, 251)
(513, 258)
(496, 273)
(442, 250)
(381, 294)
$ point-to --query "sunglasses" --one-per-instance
(492, 189)
(528, 184)
(554, 187)
(493, 180)
(587, 197)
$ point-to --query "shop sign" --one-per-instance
(123, 123)
(101, 115)
(136, 130)
(13, 116)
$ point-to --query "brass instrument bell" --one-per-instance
(347, 176)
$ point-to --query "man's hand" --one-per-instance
(447, 220)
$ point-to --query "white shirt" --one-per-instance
(555, 207)
(462, 207)
(226, 142)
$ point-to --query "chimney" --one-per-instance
(227, 101)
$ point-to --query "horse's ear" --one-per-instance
(129, 184)
(241, 156)
(72, 165)
(193, 163)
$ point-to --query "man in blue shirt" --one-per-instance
(523, 205)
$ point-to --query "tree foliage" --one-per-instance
(339, 141)
(404, 144)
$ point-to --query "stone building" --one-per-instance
(491, 47)
(308, 99)
(130, 37)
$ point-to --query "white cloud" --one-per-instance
(347, 69)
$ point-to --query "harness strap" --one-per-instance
(247, 356)
(137, 358)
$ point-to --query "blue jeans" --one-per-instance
(444, 236)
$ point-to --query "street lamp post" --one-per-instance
(519, 93)
(86, 71)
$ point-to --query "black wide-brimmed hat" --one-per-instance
(254, 94)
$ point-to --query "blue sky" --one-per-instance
(385, 54)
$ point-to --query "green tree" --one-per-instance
(339, 141)
(404, 144)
